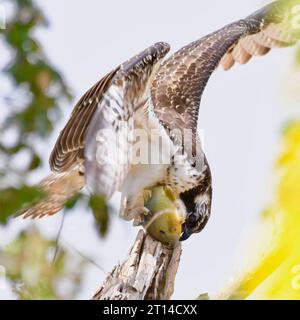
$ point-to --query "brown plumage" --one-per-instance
(174, 95)
(178, 86)
(68, 150)
(59, 188)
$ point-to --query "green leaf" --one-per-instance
(101, 213)
(203, 296)
(34, 274)
(34, 163)
(70, 204)
(12, 199)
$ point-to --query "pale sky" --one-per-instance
(242, 114)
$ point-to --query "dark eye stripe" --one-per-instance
(192, 219)
(203, 208)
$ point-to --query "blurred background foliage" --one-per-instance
(32, 108)
(272, 268)
(34, 274)
(33, 105)
(38, 89)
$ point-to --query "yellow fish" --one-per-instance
(164, 223)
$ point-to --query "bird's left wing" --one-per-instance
(98, 135)
(178, 86)
(110, 134)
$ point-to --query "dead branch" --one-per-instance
(147, 274)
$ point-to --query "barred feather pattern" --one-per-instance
(109, 104)
(59, 188)
(110, 134)
(69, 147)
(180, 82)
(175, 94)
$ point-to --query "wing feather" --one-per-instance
(180, 82)
(110, 133)
(70, 143)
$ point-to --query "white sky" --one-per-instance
(242, 113)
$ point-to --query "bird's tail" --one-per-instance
(59, 188)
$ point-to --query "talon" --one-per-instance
(147, 194)
(140, 216)
(141, 211)
(136, 213)
(138, 221)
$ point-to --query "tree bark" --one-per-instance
(147, 274)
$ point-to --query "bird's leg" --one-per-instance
(133, 207)
(147, 194)
(141, 212)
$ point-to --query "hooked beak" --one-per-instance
(186, 233)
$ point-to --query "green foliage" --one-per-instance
(73, 201)
(30, 70)
(101, 213)
(12, 199)
(29, 265)
(32, 108)
(40, 88)
(203, 296)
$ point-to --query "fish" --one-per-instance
(166, 215)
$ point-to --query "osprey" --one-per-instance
(161, 98)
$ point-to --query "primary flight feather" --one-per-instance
(154, 95)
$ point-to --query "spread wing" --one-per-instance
(68, 150)
(110, 133)
(106, 109)
(107, 106)
(178, 86)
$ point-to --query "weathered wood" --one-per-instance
(147, 274)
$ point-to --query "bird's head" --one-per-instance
(198, 205)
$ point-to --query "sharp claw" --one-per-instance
(138, 222)
(140, 216)
(147, 194)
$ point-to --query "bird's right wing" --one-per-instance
(178, 86)
(110, 134)
(280, 27)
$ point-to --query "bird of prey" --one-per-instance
(159, 95)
